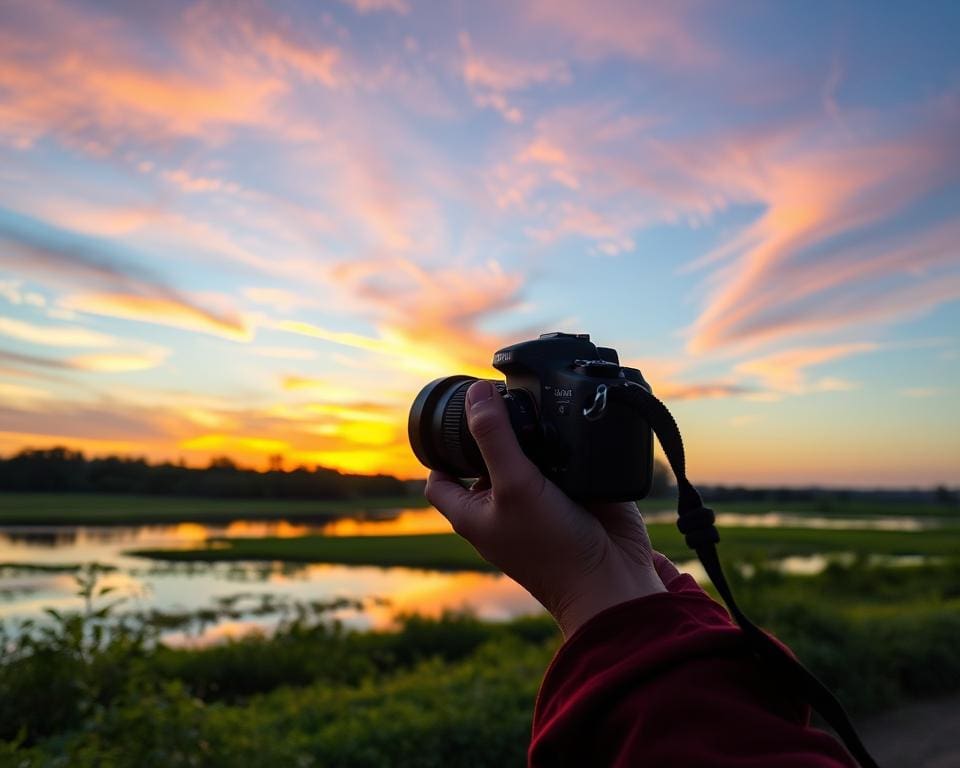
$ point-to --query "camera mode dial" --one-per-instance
(603, 369)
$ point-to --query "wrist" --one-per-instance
(604, 590)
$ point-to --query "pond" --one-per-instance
(379, 594)
(181, 587)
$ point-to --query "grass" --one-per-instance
(445, 692)
(109, 509)
(444, 551)
(827, 507)
(437, 551)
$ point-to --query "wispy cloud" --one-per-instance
(63, 258)
(54, 335)
(118, 362)
(786, 371)
(231, 70)
(372, 6)
(816, 196)
(160, 310)
(492, 78)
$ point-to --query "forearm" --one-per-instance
(666, 680)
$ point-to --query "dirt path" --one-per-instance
(921, 735)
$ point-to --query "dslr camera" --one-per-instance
(554, 390)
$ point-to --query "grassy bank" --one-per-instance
(110, 509)
(118, 509)
(450, 552)
(439, 551)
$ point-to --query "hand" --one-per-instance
(575, 560)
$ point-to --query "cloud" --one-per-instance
(794, 270)
(117, 362)
(922, 392)
(11, 291)
(492, 77)
(785, 371)
(89, 79)
(430, 318)
(667, 390)
(64, 258)
(401, 7)
(54, 336)
(106, 362)
(664, 33)
(160, 310)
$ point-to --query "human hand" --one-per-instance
(575, 560)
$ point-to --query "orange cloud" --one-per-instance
(785, 371)
(160, 311)
(90, 85)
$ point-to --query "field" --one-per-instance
(115, 509)
(98, 689)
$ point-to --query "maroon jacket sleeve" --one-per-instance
(666, 680)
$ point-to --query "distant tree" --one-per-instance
(662, 484)
(223, 462)
(276, 462)
(945, 496)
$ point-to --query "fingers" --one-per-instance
(452, 500)
(665, 568)
(509, 468)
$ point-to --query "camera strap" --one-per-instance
(697, 523)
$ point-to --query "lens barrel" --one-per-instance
(438, 428)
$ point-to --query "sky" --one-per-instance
(258, 228)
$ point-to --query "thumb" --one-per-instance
(508, 466)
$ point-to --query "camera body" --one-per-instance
(609, 459)
(551, 383)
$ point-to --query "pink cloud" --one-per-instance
(661, 32)
(492, 77)
(83, 77)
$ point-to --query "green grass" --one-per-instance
(760, 543)
(449, 552)
(823, 508)
(110, 509)
(437, 551)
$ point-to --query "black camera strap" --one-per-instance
(696, 523)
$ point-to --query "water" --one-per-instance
(383, 592)
(186, 587)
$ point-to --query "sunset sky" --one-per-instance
(250, 229)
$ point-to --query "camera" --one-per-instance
(554, 386)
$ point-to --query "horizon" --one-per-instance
(253, 230)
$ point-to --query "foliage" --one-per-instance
(63, 470)
(451, 691)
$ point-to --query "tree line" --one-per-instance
(63, 470)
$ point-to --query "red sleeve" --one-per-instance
(665, 680)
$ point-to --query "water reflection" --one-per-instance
(776, 519)
(191, 587)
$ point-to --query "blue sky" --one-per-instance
(256, 229)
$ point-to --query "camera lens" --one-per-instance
(438, 427)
